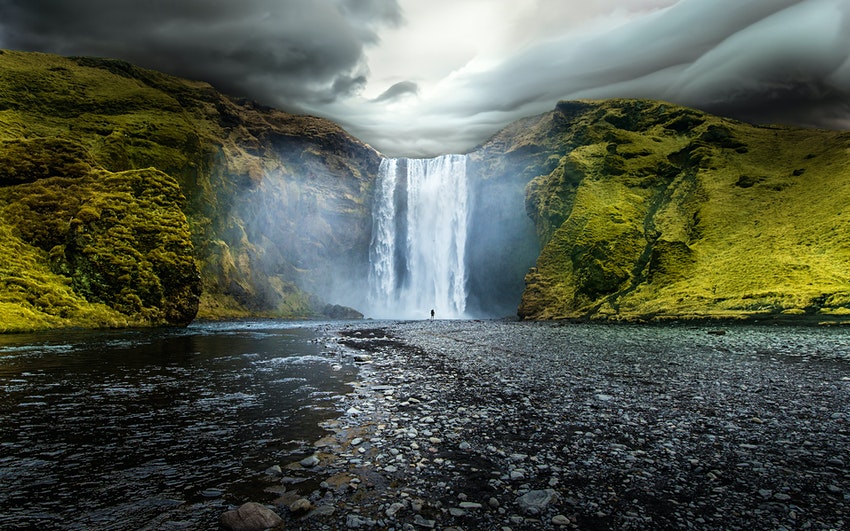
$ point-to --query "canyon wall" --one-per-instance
(132, 198)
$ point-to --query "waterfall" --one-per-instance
(419, 226)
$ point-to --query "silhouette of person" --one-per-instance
(432, 313)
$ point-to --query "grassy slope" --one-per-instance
(100, 249)
(32, 297)
(92, 119)
(643, 209)
(656, 211)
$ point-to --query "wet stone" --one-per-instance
(250, 517)
(536, 501)
(539, 418)
(274, 471)
(309, 462)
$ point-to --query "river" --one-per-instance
(156, 428)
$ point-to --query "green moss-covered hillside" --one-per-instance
(649, 210)
(129, 197)
(97, 249)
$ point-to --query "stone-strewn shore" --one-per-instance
(506, 425)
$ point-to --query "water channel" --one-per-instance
(139, 429)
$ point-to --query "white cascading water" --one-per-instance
(419, 226)
(382, 268)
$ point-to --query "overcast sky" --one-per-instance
(421, 77)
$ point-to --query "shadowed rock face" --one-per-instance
(649, 210)
(131, 197)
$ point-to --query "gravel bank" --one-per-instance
(492, 425)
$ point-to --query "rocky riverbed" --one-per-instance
(509, 425)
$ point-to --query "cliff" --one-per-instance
(133, 198)
(129, 197)
(646, 210)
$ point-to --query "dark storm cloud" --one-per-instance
(785, 61)
(400, 89)
(282, 52)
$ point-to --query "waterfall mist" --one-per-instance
(417, 254)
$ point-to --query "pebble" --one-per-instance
(421, 521)
(560, 520)
(394, 509)
(309, 462)
(300, 505)
(564, 423)
(536, 501)
(250, 516)
(469, 505)
(353, 521)
(274, 470)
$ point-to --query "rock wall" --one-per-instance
(502, 243)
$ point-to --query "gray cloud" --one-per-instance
(399, 90)
(764, 61)
(283, 52)
(785, 61)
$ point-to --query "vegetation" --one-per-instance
(130, 197)
(655, 211)
(32, 297)
(115, 240)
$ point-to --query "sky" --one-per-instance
(425, 77)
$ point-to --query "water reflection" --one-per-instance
(112, 429)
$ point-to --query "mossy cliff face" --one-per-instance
(129, 197)
(96, 249)
(646, 210)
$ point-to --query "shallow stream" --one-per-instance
(140, 428)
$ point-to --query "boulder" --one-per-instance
(250, 516)
(536, 502)
(336, 311)
(301, 505)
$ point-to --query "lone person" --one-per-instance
(432, 314)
